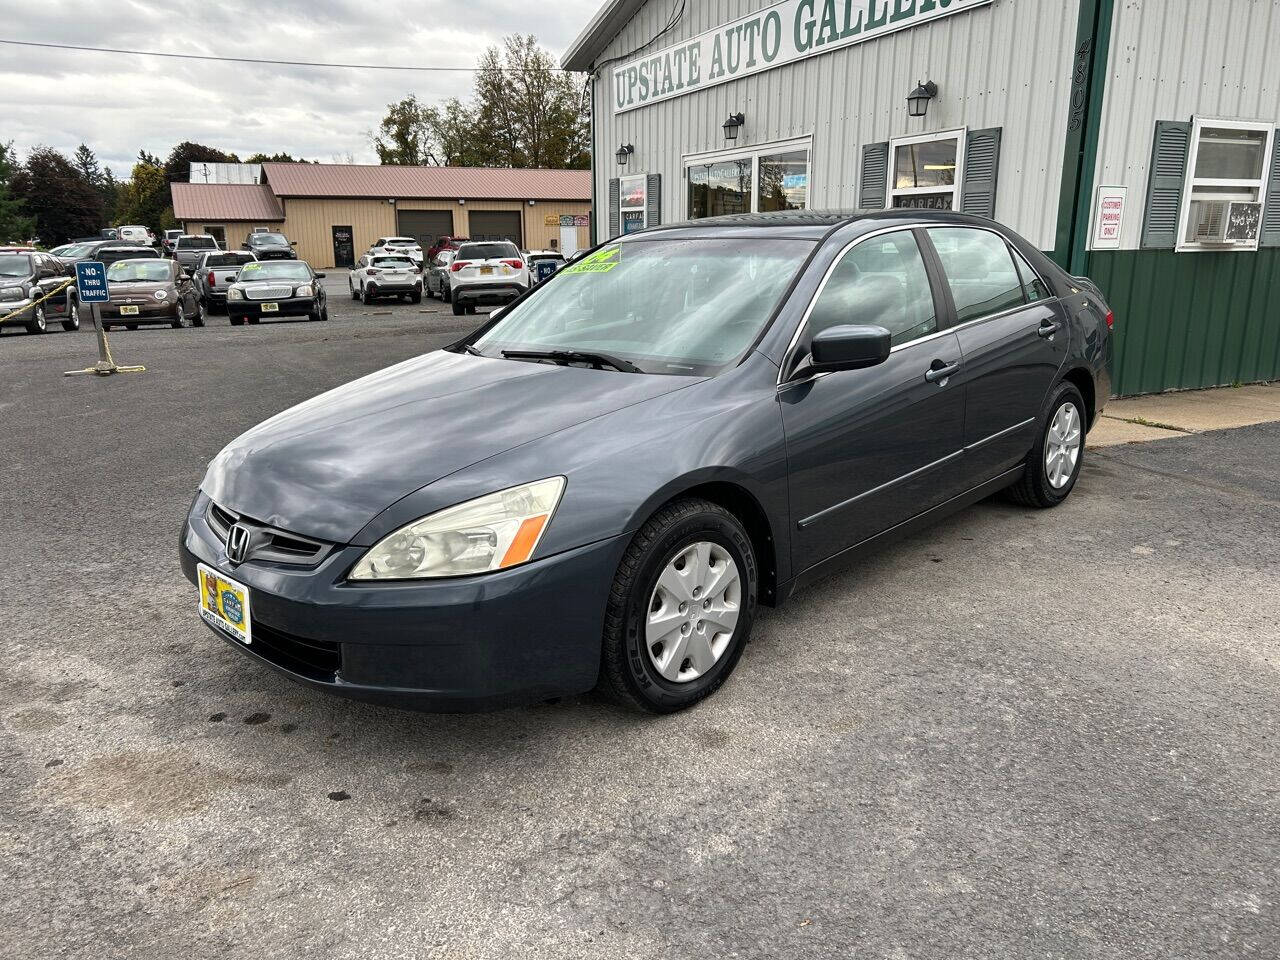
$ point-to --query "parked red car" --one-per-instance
(443, 243)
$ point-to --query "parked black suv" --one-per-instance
(25, 279)
(269, 246)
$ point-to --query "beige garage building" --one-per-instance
(335, 211)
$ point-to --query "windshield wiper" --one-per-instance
(593, 357)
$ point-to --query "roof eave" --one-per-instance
(599, 33)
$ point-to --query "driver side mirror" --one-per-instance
(319, 276)
(848, 347)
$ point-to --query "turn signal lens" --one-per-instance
(489, 533)
(1111, 319)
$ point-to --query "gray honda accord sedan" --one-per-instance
(599, 486)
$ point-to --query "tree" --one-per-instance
(59, 196)
(177, 168)
(274, 158)
(524, 112)
(404, 136)
(145, 199)
(15, 227)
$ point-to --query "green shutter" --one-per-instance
(1271, 205)
(873, 184)
(1164, 184)
(653, 200)
(981, 165)
(615, 192)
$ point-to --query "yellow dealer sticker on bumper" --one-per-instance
(224, 603)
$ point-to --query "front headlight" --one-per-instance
(304, 291)
(235, 293)
(12, 293)
(489, 533)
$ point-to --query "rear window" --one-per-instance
(197, 243)
(488, 251)
(393, 262)
(227, 259)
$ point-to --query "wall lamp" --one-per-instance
(624, 153)
(732, 125)
(918, 99)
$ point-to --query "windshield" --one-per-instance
(278, 270)
(73, 250)
(197, 243)
(394, 262)
(668, 306)
(488, 251)
(268, 238)
(145, 271)
(14, 265)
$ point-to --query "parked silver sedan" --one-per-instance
(437, 274)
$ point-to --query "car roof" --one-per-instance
(811, 224)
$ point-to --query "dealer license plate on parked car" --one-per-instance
(128, 311)
(271, 308)
(224, 603)
(486, 270)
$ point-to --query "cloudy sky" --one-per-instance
(121, 104)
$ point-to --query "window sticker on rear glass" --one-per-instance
(602, 261)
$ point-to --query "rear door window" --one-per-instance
(979, 271)
(881, 282)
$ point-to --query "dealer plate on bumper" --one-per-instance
(128, 311)
(224, 603)
(271, 308)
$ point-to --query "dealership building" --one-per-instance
(334, 212)
(1134, 141)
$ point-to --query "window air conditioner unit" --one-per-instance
(1208, 221)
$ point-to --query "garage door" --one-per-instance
(496, 225)
(425, 225)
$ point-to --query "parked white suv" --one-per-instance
(402, 245)
(137, 234)
(385, 275)
(487, 272)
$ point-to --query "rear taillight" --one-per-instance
(459, 264)
(372, 270)
(212, 281)
(518, 264)
(1111, 319)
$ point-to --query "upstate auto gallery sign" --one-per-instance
(783, 33)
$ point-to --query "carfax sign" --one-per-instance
(779, 34)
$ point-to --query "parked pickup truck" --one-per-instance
(188, 249)
(214, 272)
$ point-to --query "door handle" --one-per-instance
(1048, 328)
(940, 371)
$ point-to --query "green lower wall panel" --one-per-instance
(1187, 320)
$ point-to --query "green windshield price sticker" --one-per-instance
(602, 261)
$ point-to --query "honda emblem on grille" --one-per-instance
(237, 543)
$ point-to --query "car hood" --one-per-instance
(328, 466)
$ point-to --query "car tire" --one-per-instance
(415, 297)
(354, 293)
(636, 665)
(179, 317)
(236, 321)
(446, 294)
(253, 321)
(201, 312)
(471, 311)
(72, 323)
(458, 309)
(1053, 464)
(324, 314)
(131, 326)
(38, 323)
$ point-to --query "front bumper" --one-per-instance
(12, 306)
(461, 644)
(154, 312)
(487, 293)
(289, 307)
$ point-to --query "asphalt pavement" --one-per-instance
(1019, 734)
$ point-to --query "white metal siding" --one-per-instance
(1006, 65)
(1174, 59)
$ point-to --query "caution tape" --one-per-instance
(9, 316)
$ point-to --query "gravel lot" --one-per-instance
(1021, 734)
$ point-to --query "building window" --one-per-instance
(632, 200)
(771, 177)
(1222, 199)
(924, 171)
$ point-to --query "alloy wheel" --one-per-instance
(1062, 443)
(693, 611)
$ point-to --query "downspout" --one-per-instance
(591, 85)
(1084, 117)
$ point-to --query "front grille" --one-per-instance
(268, 293)
(266, 543)
(317, 659)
